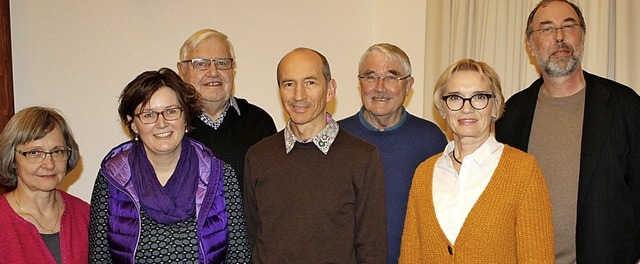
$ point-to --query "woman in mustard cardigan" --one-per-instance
(480, 201)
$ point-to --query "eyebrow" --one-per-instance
(367, 72)
(472, 94)
(392, 71)
(549, 22)
(165, 108)
(313, 78)
(40, 148)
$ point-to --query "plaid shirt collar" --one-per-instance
(215, 124)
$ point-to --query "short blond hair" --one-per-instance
(490, 77)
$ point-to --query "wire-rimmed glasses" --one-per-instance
(385, 79)
(203, 64)
(548, 31)
(36, 156)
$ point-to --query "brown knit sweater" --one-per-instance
(308, 207)
(510, 222)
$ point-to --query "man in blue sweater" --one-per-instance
(403, 139)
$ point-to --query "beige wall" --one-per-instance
(77, 55)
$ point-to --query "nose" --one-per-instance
(559, 34)
(466, 106)
(378, 85)
(48, 162)
(213, 70)
(299, 93)
(162, 121)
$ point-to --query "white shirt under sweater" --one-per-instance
(454, 195)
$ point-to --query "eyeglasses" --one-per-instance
(203, 64)
(549, 31)
(169, 114)
(386, 79)
(36, 156)
(478, 101)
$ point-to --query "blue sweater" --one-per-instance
(402, 148)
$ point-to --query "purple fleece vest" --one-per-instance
(124, 214)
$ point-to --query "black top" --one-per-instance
(236, 134)
(53, 243)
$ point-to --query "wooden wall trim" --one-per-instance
(6, 70)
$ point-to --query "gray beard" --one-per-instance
(555, 69)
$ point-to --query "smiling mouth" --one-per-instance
(466, 120)
(215, 83)
(299, 108)
(380, 98)
(163, 135)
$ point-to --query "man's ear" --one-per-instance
(410, 82)
(331, 89)
(527, 44)
(181, 69)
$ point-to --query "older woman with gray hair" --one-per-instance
(39, 223)
(479, 200)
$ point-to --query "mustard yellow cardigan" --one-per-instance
(510, 222)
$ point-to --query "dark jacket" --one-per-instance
(608, 209)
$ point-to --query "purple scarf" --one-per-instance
(175, 201)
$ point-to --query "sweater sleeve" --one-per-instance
(534, 226)
(632, 176)
(410, 248)
(371, 224)
(98, 244)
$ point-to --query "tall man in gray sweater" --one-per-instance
(584, 130)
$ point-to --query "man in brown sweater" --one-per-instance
(313, 194)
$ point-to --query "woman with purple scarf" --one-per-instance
(159, 197)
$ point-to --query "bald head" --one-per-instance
(310, 53)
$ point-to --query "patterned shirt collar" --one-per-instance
(322, 140)
(215, 124)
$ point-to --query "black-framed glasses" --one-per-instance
(478, 101)
(36, 156)
(385, 79)
(548, 31)
(169, 114)
(203, 64)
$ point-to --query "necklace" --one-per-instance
(454, 156)
(37, 222)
